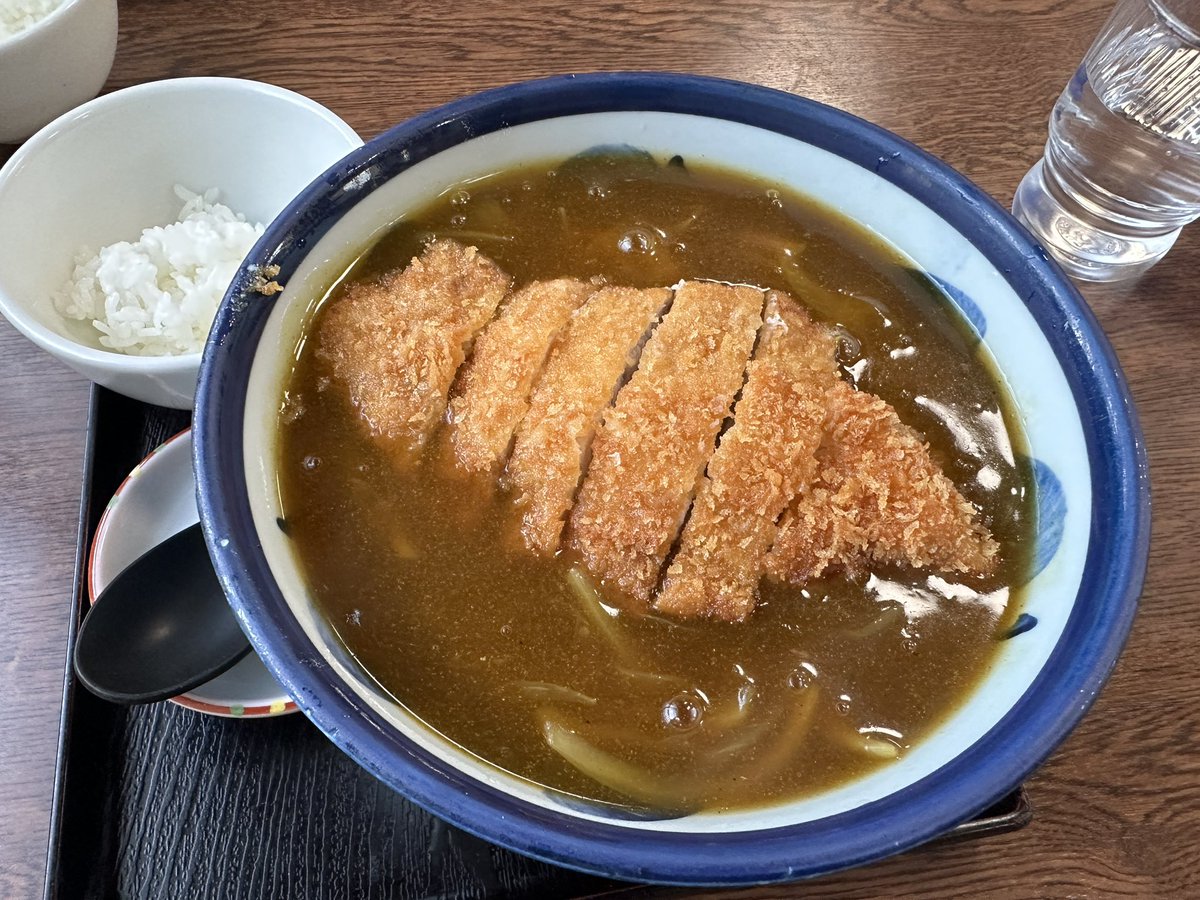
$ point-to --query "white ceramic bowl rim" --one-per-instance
(62, 345)
(1064, 688)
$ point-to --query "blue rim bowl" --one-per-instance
(1076, 667)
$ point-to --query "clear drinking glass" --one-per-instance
(1121, 172)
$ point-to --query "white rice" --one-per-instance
(17, 15)
(158, 296)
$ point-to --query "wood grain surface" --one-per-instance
(1117, 808)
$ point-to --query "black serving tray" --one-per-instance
(159, 801)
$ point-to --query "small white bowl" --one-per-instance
(105, 171)
(157, 500)
(55, 64)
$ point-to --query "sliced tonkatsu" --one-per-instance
(877, 497)
(492, 396)
(600, 409)
(760, 464)
(586, 367)
(649, 456)
(397, 343)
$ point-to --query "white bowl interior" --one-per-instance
(1014, 339)
(106, 170)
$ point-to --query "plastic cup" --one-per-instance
(1120, 175)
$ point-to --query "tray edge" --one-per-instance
(50, 884)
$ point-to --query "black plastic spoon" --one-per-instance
(161, 628)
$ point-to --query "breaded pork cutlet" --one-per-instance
(585, 368)
(397, 343)
(650, 453)
(760, 464)
(877, 497)
(493, 391)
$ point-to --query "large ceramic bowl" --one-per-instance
(1091, 471)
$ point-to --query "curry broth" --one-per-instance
(423, 577)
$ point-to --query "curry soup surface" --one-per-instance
(420, 571)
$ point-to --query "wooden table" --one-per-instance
(1117, 808)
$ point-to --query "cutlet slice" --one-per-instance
(584, 371)
(878, 496)
(761, 462)
(493, 395)
(396, 343)
(651, 451)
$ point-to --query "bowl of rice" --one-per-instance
(54, 54)
(123, 221)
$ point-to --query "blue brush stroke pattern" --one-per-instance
(624, 152)
(1051, 515)
(1025, 622)
(968, 307)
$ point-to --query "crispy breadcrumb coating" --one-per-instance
(877, 497)
(553, 441)
(651, 451)
(761, 462)
(397, 343)
(493, 390)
